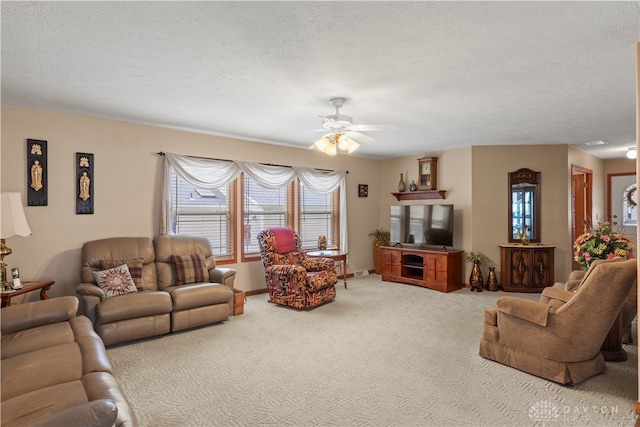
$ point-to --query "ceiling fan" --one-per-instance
(343, 134)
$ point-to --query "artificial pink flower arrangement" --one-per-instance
(603, 243)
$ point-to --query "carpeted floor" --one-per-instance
(381, 354)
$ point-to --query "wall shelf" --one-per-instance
(420, 195)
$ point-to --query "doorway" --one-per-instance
(581, 203)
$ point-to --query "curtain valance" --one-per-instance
(209, 173)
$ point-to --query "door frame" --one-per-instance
(588, 203)
(609, 179)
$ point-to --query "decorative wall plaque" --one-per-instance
(37, 173)
(84, 183)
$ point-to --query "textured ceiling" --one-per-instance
(451, 74)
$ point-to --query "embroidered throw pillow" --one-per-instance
(115, 281)
(189, 269)
(135, 269)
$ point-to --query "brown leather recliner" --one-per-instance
(141, 314)
(559, 337)
(198, 303)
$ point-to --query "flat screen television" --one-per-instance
(429, 226)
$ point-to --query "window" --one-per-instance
(263, 208)
(204, 212)
(199, 197)
(319, 216)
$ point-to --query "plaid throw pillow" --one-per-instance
(135, 268)
(189, 269)
(115, 281)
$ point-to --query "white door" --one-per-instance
(624, 205)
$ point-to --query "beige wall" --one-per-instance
(127, 188)
(476, 181)
(491, 167)
(128, 177)
(454, 176)
(620, 166)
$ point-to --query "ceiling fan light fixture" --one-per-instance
(326, 145)
(632, 153)
(343, 142)
(331, 150)
(347, 144)
(322, 144)
(339, 126)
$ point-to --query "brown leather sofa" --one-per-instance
(159, 305)
(55, 370)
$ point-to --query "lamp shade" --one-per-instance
(632, 153)
(13, 220)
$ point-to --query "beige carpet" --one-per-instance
(381, 354)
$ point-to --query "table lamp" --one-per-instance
(13, 222)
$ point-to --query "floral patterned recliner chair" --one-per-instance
(293, 279)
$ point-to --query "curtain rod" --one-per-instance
(161, 153)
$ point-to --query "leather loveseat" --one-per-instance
(161, 303)
(55, 370)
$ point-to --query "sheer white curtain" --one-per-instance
(324, 183)
(203, 173)
(208, 173)
(268, 176)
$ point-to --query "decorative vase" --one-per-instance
(525, 236)
(475, 279)
(322, 242)
(518, 234)
(413, 186)
(402, 187)
(492, 280)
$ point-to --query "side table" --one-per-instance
(26, 287)
(336, 256)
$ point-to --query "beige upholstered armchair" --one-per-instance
(559, 337)
(629, 307)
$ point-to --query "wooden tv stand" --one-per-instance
(440, 270)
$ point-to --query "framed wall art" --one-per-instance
(363, 190)
(84, 183)
(37, 184)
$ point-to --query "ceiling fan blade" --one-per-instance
(365, 128)
(360, 137)
(299, 131)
